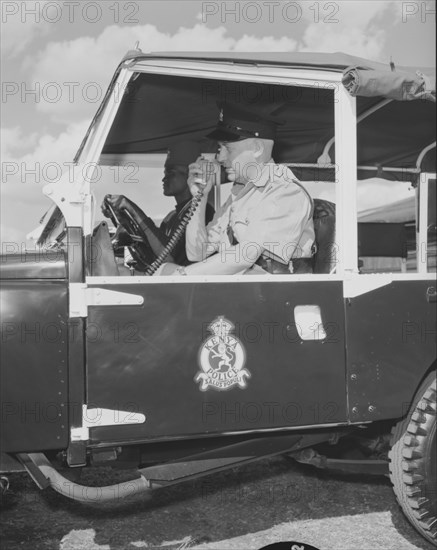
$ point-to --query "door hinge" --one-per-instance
(82, 296)
(97, 417)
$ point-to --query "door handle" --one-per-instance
(431, 294)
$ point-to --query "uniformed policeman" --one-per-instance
(266, 223)
(179, 156)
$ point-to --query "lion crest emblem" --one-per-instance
(222, 358)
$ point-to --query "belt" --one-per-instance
(300, 265)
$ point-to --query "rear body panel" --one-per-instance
(391, 343)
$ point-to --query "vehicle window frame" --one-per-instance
(300, 77)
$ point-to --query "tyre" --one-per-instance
(413, 461)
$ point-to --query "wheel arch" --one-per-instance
(431, 368)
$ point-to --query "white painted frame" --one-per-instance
(422, 227)
(220, 71)
(346, 182)
(250, 72)
(75, 200)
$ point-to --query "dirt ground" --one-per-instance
(247, 507)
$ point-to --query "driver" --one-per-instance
(180, 155)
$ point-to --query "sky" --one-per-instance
(57, 59)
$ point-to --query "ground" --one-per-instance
(247, 507)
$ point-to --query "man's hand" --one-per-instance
(168, 269)
(117, 203)
(201, 176)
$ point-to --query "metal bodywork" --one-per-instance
(162, 340)
(34, 388)
(385, 365)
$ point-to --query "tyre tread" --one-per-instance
(406, 460)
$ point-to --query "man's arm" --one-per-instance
(199, 180)
(157, 238)
(230, 261)
(196, 236)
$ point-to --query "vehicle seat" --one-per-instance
(379, 240)
(100, 254)
(324, 260)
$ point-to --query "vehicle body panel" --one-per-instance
(34, 381)
(42, 264)
(391, 344)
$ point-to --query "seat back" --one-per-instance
(324, 228)
(100, 254)
(382, 240)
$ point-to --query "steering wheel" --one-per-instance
(128, 218)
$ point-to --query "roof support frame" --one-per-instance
(246, 73)
(324, 157)
(75, 200)
(346, 182)
(422, 222)
(422, 154)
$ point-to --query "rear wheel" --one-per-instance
(413, 461)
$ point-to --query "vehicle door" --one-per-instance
(171, 357)
(212, 356)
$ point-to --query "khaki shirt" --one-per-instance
(271, 212)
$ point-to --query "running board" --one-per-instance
(186, 468)
(237, 454)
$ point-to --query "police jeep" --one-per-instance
(104, 362)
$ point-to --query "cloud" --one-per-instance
(23, 176)
(12, 239)
(356, 28)
(80, 69)
(47, 149)
(21, 24)
(73, 75)
(13, 140)
(73, 81)
(266, 44)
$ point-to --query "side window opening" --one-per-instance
(390, 236)
(157, 110)
(138, 178)
(391, 194)
(387, 231)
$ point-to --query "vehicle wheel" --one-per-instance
(413, 461)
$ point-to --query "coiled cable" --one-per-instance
(177, 235)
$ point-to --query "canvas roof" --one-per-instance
(161, 109)
(337, 61)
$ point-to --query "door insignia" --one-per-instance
(222, 358)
